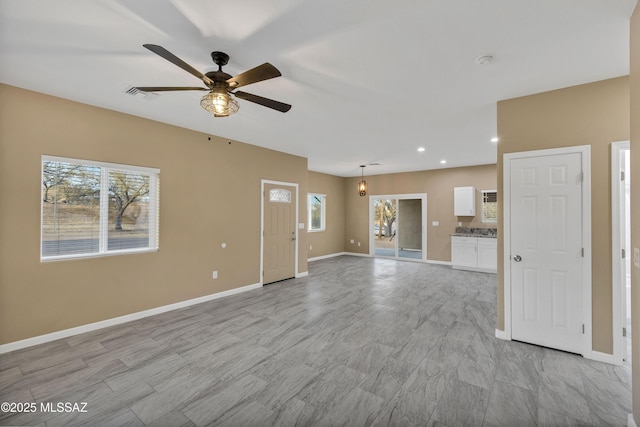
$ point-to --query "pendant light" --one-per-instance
(362, 185)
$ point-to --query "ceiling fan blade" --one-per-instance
(167, 88)
(262, 72)
(159, 50)
(270, 103)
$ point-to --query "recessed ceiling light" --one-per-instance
(442, 162)
(494, 139)
(421, 149)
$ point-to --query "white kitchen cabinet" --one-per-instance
(487, 253)
(464, 201)
(463, 251)
(474, 253)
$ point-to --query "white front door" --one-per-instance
(546, 259)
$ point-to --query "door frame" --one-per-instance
(617, 262)
(585, 151)
(297, 224)
(372, 211)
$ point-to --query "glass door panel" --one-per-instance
(409, 226)
(385, 227)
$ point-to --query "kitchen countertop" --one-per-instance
(488, 236)
(490, 233)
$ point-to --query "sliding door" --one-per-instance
(398, 226)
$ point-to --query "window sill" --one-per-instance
(97, 255)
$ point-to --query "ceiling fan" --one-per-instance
(221, 85)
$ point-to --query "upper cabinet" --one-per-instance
(464, 201)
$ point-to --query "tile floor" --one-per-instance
(360, 341)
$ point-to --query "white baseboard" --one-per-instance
(429, 261)
(434, 261)
(476, 269)
(502, 335)
(41, 339)
(602, 357)
(318, 258)
(631, 422)
(356, 254)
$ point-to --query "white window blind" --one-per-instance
(93, 208)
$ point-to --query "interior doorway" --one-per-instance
(620, 248)
(397, 226)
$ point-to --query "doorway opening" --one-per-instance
(397, 225)
(620, 248)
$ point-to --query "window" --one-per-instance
(93, 208)
(316, 212)
(489, 206)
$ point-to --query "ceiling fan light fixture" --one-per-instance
(219, 103)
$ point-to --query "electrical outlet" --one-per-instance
(215, 275)
(310, 247)
(358, 243)
(352, 241)
(636, 257)
(435, 223)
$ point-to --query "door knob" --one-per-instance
(517, 258)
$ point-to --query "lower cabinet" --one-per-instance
(474, 253)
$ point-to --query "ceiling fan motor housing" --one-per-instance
(220, 58)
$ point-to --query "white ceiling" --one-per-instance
(370, 81)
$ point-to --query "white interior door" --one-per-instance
(546, 259)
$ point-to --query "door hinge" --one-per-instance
(624, 253)
(583, 328)
(621, 175)
(582, 252)
(581, 177)
(624, 332)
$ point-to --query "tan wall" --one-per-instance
(210, 193)
(634, 84)
(330, 241)
(594, 114)
(438, 184)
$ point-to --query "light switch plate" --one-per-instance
(301, 226)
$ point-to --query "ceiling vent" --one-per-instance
(485, 59)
